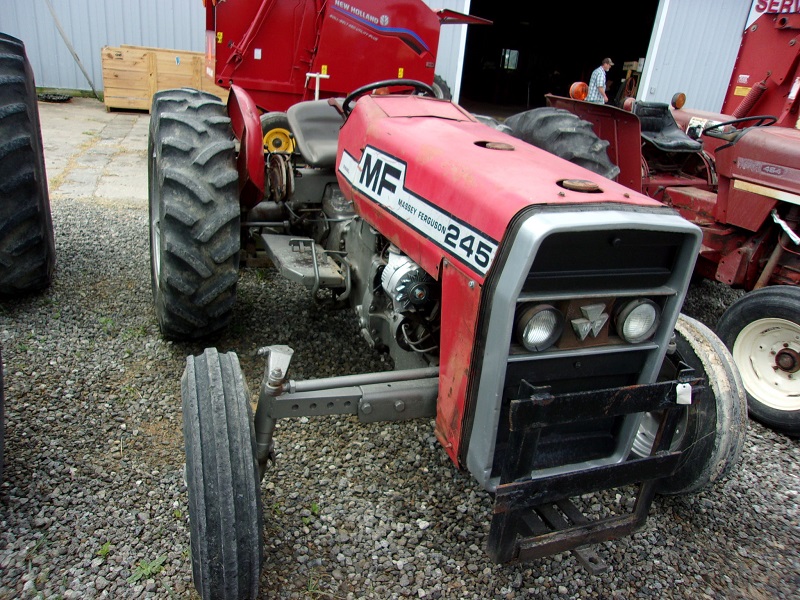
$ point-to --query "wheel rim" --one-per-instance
(155, 244)
(155, 226)
(767, 353)
(646, 435)
(278, 139)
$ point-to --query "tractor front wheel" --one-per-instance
(194, 213)
(222, 479)
(27, 245)
(712, 431)
(762, 330)
(566, 135)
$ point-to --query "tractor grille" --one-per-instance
(571, 261)
(603, 260)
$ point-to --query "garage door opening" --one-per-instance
(537, 48)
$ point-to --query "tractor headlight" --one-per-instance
(538, 327)
(637, 320)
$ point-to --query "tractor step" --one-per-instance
(302, 260)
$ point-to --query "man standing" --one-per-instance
(597, 83)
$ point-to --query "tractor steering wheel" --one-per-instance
(761, 121)
(417, 86)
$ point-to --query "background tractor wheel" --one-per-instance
(762, 330)
(441, 88)
(194, 213)
(222, 477)
(566, 135)
(277, 133)
(27, 246)
(713, 430)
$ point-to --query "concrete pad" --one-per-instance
(93, 154)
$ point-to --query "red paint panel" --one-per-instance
(768, 52)
(268, 46)
(363, 41)
(246, 126)
(620, 128)
(265, 47)
(748, 210)
(694, 204)
(453, 165)
(460, 304)
(768, 156)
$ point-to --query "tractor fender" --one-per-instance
(246, 124)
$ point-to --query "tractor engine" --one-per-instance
(395, 300)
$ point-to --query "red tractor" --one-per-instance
(736, 174)
(529, 306)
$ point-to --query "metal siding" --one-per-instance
(92, 24)
(692, 50)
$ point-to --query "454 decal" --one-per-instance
(381, 178)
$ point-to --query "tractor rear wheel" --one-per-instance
(194, 213)
(27, 245)
(762, 330)
(712, 432)
(225, 518)
(566, 135)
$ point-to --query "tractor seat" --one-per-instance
(660, 129)
(315, 125)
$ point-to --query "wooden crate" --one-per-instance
(132, 74)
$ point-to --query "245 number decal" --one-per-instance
(469, 246)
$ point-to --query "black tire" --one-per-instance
(441, 88)
(566, 135)
(2, 420)
(276, 132)
(27, 245)
(762, 331)
(222, 479)
(194, 213)
(713, 430)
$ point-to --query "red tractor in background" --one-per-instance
(736, 174)
(282, 53)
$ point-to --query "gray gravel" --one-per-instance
(93, 504)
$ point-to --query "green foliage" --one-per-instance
(104, 550)
(107, 323)
(147, 568)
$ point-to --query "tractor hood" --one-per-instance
(430, 177)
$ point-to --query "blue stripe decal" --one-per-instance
(385, 30)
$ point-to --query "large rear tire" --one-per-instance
(712, 432)
(762, 330)
(2, 420)
(27, 245)
(194, 213)
(566, 135)
(222, 478)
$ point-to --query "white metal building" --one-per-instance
(692, 49)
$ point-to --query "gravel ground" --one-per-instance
(93, 504)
